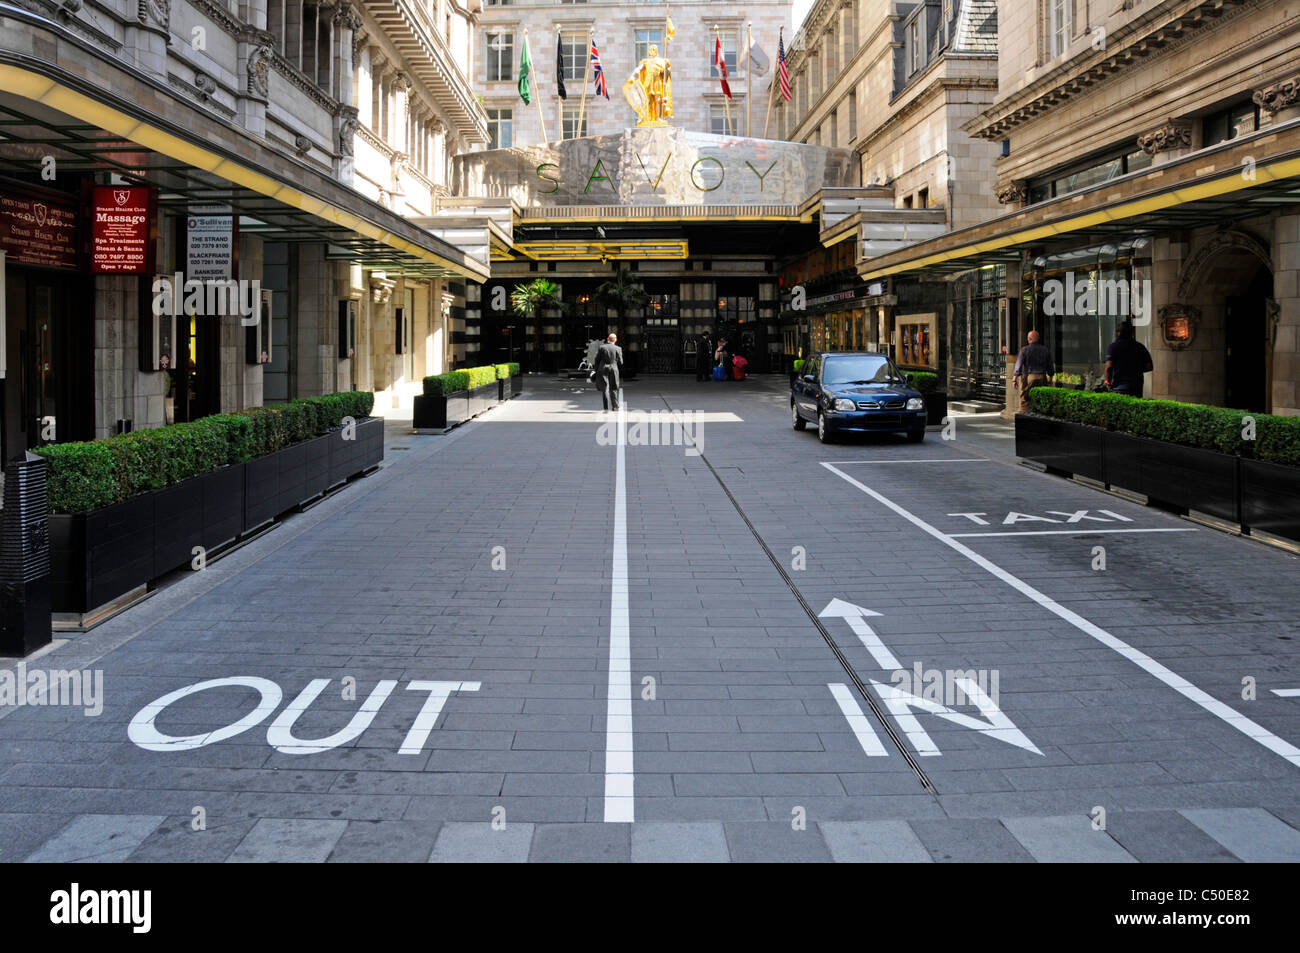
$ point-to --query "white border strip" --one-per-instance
(1074, 532)
(936, 460)
(1143, 661)
(619, 779)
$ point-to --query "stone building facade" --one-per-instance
(1151, 144)
(246, 113)
(623, 30)
(896, 83)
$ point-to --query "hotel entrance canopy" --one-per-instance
(1241, 178)
(141, 131)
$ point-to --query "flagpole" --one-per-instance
(537, 90)
(749, 72)
(559, 103)
(586, 70)
(776, 80)
(726, 100)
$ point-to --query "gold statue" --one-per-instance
(649, 90)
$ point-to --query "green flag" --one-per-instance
(525, 68)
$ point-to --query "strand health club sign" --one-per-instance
(121, 223)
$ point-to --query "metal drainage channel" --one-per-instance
(884, 722)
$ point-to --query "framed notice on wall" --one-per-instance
(914, 343)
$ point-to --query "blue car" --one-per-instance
(856, 392)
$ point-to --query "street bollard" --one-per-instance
(25, 559)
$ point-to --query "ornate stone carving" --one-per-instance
(1178, 324)
(347, 17)
(155, 13)
(1015, 192)
(1279, 96)
(205, 85)
(1175, 134)
(302, 144)
(349, 123)
(259, 69)
(70, 6)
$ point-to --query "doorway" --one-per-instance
(1246, 346)
(48, 391)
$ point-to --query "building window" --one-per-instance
(923, 198)
(644, 38)
(569, 124)
(573, 1)
(1086, 174)
(915, 41)
(500, 56)
(501, 128)
(1060, 25)
(718, 119)
(728, 54)
(1239, 120)
(499, 3)
(853, 115)
(574, 49)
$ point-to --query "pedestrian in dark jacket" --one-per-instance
(703, 358)
(609, 360)
(1034, 368)
(1127, 359)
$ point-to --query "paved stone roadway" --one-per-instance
(393, 579)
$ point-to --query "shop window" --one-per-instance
(914, 341)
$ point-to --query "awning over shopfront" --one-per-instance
(1246, 176)
(195, 158)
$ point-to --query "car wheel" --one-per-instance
(823, 434)
(915, 436)
(798, 422)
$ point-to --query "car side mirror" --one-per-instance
(809, 378)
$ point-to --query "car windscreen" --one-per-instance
(859, 369)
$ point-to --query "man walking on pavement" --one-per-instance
(1034, 368)
(1127, 359)
(704, 358)
(609, 359)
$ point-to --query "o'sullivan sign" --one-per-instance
(121, 228)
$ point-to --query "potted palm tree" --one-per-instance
(622, 293)
(528, 301)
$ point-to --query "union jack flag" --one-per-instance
(783, 68)
(598, 74)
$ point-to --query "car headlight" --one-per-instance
(916, 403)
(843, 403)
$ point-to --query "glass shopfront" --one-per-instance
(976, 328)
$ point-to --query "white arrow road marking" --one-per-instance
(1286, 692)
(855, 616)
(995, 724)
(1143, 661)
(619, 779)
(862, 729)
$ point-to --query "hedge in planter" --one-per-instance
(1277, 439)
(92, 475)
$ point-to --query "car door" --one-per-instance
(805, 388)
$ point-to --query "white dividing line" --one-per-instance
(1179, 684)
(862, 729)
(1286, 692)
(1073, 532)
(619, 779)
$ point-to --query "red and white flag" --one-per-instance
(720, 62)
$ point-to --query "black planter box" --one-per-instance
(261, 490)
(936, 407)
(441, 411)
(1270, 498)
(1061, 446)
(482, 398)
(96, 557)
(1184, 478)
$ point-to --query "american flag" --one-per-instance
(598, 74)
(783, 68)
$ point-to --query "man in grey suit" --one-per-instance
(609, 359)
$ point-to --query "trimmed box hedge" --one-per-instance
(90, 475)
(925, 381)
(1277, 439)
(466, 379)
(507, 371)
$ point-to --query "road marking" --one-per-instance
(619, 779)
(1286, 692)
(1179, 684)
(855, 616)
(1082, 531)
(862, 729)
(995, 724)
(953, 460)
